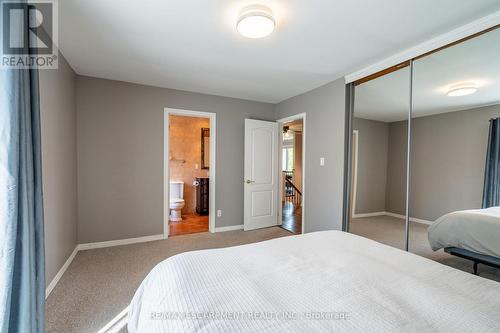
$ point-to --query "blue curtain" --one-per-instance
(22, 259)
(491, 190)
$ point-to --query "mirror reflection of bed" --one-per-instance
(456, 98)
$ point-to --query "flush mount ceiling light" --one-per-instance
(256, 22)
(462, 89)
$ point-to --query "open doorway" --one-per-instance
(189, 162)
(292, 152)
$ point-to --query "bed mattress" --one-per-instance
(322, 282)
(476, 230)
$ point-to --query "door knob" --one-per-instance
(250, 181)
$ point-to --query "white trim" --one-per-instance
(117, 323)
(97, 245)
(59, 274)
(358, 216)
(399, 216)
(304, 149)
(412, 219)
(229, 228)
(211, 172)
(166, 178)
(118, 242)
(430, 45)
(355, 174)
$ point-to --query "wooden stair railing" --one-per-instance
(292, 193)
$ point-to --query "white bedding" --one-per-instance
(476, 230)
(364, 285)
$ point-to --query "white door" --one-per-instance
(261, 169)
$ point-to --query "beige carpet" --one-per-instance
(100, 283)
(390, 230)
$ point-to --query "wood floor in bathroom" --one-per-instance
(190, 224)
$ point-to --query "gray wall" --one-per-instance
(106, 183)
(449, 176)
(58, 121)
(323, 186)
(448, 158)
(120, 155)
(373, 146)
(395, 199)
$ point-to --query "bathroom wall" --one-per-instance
(185, 144)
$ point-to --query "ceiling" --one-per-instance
(476, 60)
(193, 44)
(295, 125)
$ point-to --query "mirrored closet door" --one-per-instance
(425, 147)
(379, 150)
(456, 91)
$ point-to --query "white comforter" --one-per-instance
(476, 230)
(321, 282)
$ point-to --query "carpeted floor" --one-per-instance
(100, 283)
(390, 230)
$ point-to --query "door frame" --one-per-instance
(280, 178)
(355, 172)
(212, 167)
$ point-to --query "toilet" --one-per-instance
(176, 200)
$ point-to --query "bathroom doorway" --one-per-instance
(189, 170)
(292, 171)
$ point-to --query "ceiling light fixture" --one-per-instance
(287, 133)
(256, 22)
(462, 89)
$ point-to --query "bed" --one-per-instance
(472, 234)
(323, 281)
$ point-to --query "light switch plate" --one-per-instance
(322, 161)
(219, 213)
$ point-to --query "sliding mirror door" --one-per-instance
(379, 158)
(441, 197)
(456, 93)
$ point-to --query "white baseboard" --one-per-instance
(399, 216)
(88, 246)
(357, 216)
(117, 323)
(59, 274)
(98, 245)
(229, 228)
(412, 219)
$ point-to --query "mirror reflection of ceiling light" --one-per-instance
(256, 22)
(462, 89)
